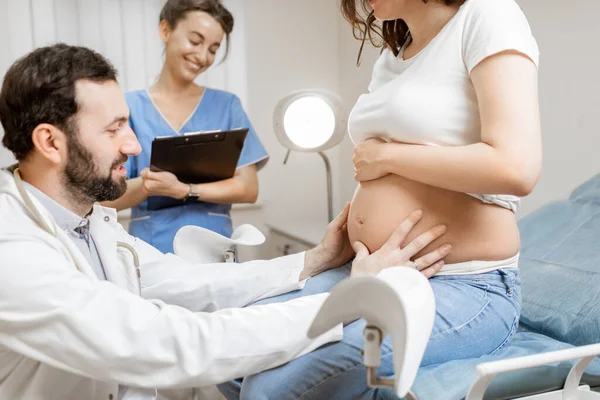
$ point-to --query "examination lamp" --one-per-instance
(311, 121)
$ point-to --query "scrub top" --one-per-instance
(216, 110)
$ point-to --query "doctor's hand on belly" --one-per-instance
(394, 254)
(334, 250)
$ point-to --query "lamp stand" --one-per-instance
(329, 186)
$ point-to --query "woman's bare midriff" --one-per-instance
(476, 231)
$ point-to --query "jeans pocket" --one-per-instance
(458, 305)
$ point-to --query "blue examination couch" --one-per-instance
(560, 273)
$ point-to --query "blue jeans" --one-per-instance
(475, 315)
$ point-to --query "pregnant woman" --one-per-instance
(450, 125)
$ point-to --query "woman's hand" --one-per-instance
(392, 255)
(368, 160)
(334, 249)
(163, 184)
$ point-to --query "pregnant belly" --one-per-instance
(477, 231)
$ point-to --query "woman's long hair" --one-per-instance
(391, 34)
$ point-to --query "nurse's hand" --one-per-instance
(163, 184)
(369, 159)
(392, 255)
(334, 249)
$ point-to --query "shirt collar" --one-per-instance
(67, 220)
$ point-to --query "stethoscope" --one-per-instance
(46, 227)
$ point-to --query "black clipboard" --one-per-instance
(200, 157)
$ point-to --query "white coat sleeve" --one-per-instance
(209, 287)
(52, 313)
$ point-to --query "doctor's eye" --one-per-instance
(117, 129)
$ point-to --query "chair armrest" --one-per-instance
(487, 371)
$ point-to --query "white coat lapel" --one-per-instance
(81, 262)
(117, 271)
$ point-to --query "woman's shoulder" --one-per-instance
(221, 99)
(492, 26)
(493, 9)
(220, 95)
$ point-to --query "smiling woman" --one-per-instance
(192, 32)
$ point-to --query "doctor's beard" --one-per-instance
(83, 179)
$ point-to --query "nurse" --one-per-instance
(192, 31)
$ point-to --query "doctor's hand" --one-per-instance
(334, 249)
(163, 184)
(392, 255)
(369, 160)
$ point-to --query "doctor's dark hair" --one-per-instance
(390, 34)
(175, 10)
(40, 88)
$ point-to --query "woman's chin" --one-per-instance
(189, 77)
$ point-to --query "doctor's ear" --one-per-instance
(50, 142)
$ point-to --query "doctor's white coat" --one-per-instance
(64, 334)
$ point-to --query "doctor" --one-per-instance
(72, 323)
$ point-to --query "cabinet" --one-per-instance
(292, 237)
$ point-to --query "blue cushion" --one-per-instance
(588, 192)
(451, 380)
(560, 267)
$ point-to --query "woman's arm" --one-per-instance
(507, 160)
(241, 188)
(132, 197)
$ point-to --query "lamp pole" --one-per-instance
(329, 186)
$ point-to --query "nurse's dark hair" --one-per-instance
(175, 10)
(40, 88)
(390, 34)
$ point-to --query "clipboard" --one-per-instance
(197, 157)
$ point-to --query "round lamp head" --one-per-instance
(309, 121)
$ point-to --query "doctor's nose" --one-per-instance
(130, 146)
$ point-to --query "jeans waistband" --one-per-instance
(479, 267)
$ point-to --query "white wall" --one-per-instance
(567, 33)
(291, 45)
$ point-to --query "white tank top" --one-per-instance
(429, 99)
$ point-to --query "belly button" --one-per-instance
(360, 220)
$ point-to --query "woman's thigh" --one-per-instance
(321, 283)
(475, 315)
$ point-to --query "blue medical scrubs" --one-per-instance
(216, 110)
